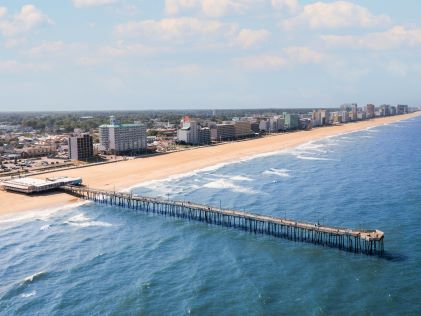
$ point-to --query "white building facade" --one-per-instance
(120, 138)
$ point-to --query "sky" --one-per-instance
(195, 54)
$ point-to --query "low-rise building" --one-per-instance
(225, 131)
(37, 150)
(242, 129)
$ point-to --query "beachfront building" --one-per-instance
(276, 124)
(242, 129)
(370, 111)
(354, 111)
(385, 110)
(123, 138)
(335, 117)
(213, 131)
(344, 116)
(346, 107)
(81, 147)
(320, 117)
(32, 185)
(306, 123)
(255, 127)
(264, 125)
(361, 115)
(402, 109)
(393, 110)
(225, 131)
(205, 136)
(292, 121)
(192, 133)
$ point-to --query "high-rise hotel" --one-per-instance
(81, 147)
(123, 138)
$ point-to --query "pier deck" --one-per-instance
(370, 242)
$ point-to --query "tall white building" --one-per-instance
(120, 138)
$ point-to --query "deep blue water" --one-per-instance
(95, 260)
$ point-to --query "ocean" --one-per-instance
(95, 260)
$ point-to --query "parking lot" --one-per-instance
(14, 165)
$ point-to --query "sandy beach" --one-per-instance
(129, 173)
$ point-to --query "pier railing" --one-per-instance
(370, 242)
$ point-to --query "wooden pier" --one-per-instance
(369, 242)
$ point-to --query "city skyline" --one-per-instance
(198, 54)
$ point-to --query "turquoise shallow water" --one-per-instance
(91, 260)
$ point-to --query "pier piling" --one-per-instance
(369, 242)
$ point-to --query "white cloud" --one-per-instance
(27, 19)
(14, 66)
(248, 38)
(92, 3)
(212, 8)
(205, 32)
(261, 62)
(122, 49)
(393, 38)
(174, 7)
(174, 29)
(291, 5)
(335, 15)
(3, 11)
(187, 70)
(289, 57)
(14, 42)
(47, 47)
(303, 55)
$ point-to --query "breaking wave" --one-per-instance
(81, 220)
(228, 185)
(277, 172)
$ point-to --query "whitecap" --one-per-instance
(277, 172)
(42, 214)
(81, 220)
(33, 277)
(228, 185)
(29, 294)
(45, 227)
(303, 151)
(240, 178)
(312, 158)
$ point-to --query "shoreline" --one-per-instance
(128, 174)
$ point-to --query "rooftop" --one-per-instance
(30, 185)
(120, 125)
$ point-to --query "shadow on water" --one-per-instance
(394, 257)
(388, 256)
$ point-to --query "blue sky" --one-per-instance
(168, 54)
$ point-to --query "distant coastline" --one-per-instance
(126, 174)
